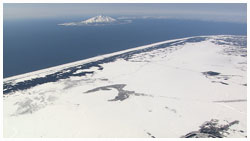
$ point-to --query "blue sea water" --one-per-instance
(30, 45)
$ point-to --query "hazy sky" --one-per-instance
(214, 12)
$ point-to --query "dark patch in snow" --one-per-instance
(150, 135)
(33, 104)
(211, 73)
(228, 101)
(220, 82)
(211, 129)
(122, 94)
(217, 77)
(27, 106)
(197, 134)
(172, 110)
(104, 79)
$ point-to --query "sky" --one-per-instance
(234, 12)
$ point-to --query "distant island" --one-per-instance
(97, 20)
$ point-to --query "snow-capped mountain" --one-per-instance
(99, 19)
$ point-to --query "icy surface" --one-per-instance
(190, 87)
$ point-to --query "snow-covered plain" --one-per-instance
(166, 89)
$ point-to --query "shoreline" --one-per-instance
(96, 58)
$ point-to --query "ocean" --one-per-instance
(30, 45)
